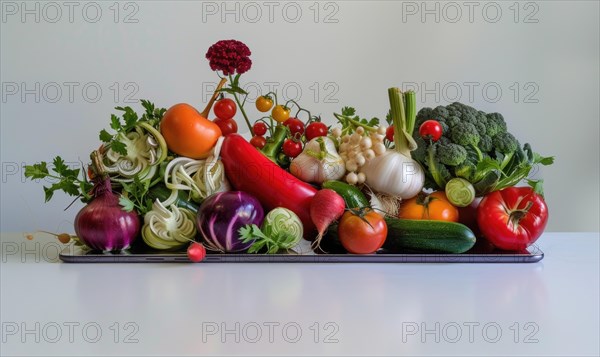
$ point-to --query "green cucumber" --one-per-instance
(427, 236)
(353, 197)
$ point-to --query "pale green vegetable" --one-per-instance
(281, 229)
(202, 177)
(167, 228)
(460, 192)
(146, 149)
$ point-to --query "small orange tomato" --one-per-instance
(187, 133)
(264, 103)
(280, 113)
(434, 206)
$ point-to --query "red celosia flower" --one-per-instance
(229, 56)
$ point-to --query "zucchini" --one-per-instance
(352, 196)
(161, 192)
(427, 236)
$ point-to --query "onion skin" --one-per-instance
(222, 215)
(103, 225)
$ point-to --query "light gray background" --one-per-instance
(352, 50)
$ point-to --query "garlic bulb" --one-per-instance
(394, 174)
(318, 162)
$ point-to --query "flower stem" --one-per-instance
(241, 106)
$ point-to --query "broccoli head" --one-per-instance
(465, 134)
(452, 121)
(451, 154)
(486, 144)
(505, 143)
(440, 113)
(495, 124)
(465, 170)
(420, 153)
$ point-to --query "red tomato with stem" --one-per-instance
(431, 130)
(292, 148)
(225, 108)
(295, 125)
(227, 126)
(512, 218)
(315, 129)
(362, 232)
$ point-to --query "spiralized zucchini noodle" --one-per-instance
(202, 177)
(166, 228)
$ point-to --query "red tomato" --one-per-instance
(360, 237)
(227, 126)
(431, 130)
(295, 125)
(315, 129)
(259, 128)
(389, 133)
(225, 108)
(292, 148)
(258, 141)
(512, 218)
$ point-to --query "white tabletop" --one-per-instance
(545, 308)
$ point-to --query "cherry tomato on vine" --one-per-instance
(227, 126)
(389, 133)
(362, 233)
(258, 141)
(280, 113)
(292, 148)
(264, 104)
(431, 129)
(259, 128)
(315, 129)
(295, 125)
(225, 108)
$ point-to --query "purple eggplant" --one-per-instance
(222, 215)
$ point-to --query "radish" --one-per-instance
(326, 207)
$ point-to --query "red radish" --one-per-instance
(326, 207)
(196, 252)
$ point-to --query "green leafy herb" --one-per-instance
(135, 196)
(67, 179)
(261, 240)
(127, 122)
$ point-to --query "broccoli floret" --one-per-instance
(422, 115)
(505, 143)
(451, 154)
(453, 121)
(495, 124)
(420, 153)
(441, 113)
(465, 134)
(486, 144)
(465, 170)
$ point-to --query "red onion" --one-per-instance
(103, 224)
